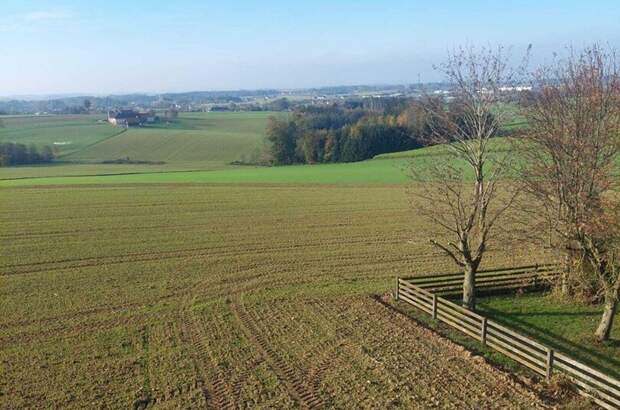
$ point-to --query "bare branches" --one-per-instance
(450, 252)
(574, 123)
(461, 192)
(570, 149)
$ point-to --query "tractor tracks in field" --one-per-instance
(172, 394)
(461, 379)
(327, 355)
(222, 387)
(204, 251)
(306, 395)
(238, 381)
(215, 390)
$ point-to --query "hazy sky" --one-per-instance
(113, 46)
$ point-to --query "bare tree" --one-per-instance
(572, 143)
(601, 256)
(460, 192)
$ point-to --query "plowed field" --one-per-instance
(225, 296)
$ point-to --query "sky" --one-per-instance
(123, 46)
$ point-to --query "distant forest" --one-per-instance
(357, 130)
(353, 131)
(20, 154)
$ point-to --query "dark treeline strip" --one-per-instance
(20, 154)
(353, 131)
(359, 130)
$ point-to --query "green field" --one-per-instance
(203, 155)
(367, 172)
(66, 134)
(199, 284)
(196, 141)
(568, 327)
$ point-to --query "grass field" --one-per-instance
(197, 141)
(568, 327)
(225, 286)
(384, 169)
(367, 172)
(66, 134)
(197, 138)
(198, 144)
(215, 168)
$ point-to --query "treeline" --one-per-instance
(20, 154)
(353, 131)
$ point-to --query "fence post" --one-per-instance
(549, 363)
(397, 287)
(434, 306)
(483, 331)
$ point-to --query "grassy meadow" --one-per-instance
(66, 134)
(366, 172)
(204, 155)
(196, 141)
(200, 284)
(568, 327)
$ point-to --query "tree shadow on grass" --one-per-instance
(587, 355)
(545, 314)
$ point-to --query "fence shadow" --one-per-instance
(605, 363)
(542, 352)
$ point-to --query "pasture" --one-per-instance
(567, 327)
(383, 169)
(66, 134)
(367, 172)
(196, 141)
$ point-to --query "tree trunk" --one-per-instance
(469, 287)
(564, 288)
(571, 263)
(565, 273)
(609, 312)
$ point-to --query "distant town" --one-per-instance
(205, 101)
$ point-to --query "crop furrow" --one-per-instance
(214, 388)
(296, 386)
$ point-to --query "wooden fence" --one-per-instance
(522, 277)
(602, 389)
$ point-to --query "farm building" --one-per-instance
(131, 118)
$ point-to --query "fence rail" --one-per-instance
(526, 277)
(421, 292)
